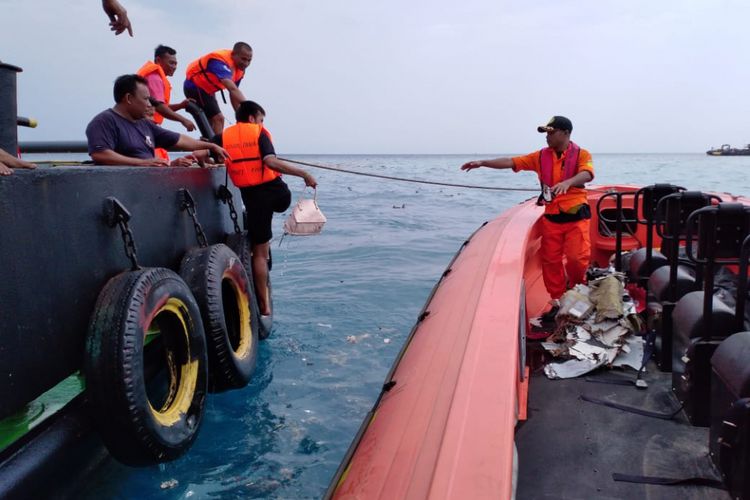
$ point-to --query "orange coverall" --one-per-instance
(569, 239)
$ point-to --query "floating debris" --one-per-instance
(168, 485)
(353, 339)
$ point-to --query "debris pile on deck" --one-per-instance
(595, 326)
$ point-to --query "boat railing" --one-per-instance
(619, 221)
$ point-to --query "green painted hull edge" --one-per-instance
(16, 426)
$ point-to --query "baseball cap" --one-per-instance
(557, 123)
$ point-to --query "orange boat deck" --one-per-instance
(445, 423)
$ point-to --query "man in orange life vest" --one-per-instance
(256, 170)
(156, 73)
(563, 169)
(214, 72)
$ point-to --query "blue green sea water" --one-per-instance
(345, 301)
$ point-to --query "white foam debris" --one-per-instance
(325, 325)
(386, 341)
(168, 485)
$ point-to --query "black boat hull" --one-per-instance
(58, 252)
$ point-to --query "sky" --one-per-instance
(413, 76)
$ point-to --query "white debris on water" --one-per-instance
(168, 485)
(386, 341)
(325, 325)
(354, 339)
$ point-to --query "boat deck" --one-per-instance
(569, 448)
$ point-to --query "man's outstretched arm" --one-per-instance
(499, 163)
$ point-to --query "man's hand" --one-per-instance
(180, 105)
(310, 180)
(118, 17)
(190, 126)
(8, 162)
(561, 187)
(153, 162)
(221, 153)
(470, 165)
(184, 161)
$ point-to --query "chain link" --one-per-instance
(199, 233)
(233, 215)
(189, 205)
(226, 197)
(129, 242)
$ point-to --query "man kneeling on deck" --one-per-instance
(563, 169)
(254, 169)
(123, 136)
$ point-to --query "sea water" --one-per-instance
(345, 301)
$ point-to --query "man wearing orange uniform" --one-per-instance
(563, 169)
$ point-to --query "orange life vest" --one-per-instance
(161, 153)
(246, 166)
(198, 73)
(151, 67)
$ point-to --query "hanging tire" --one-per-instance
(220, 284)
(146, 366)
(240, 244)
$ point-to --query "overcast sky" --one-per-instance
(401, 76)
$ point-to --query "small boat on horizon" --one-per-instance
(727, 150)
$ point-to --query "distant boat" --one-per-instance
(727, 150)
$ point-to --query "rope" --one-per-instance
(389, 177)
(379, 176)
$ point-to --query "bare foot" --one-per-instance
(4, 170)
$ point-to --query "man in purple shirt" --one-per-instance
(122, 136)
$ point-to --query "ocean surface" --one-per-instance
(345, 301)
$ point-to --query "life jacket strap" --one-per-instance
(241, 160)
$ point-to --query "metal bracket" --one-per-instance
(115, 212)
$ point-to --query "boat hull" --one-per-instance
(58, 253)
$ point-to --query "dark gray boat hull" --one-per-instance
(57, 253)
